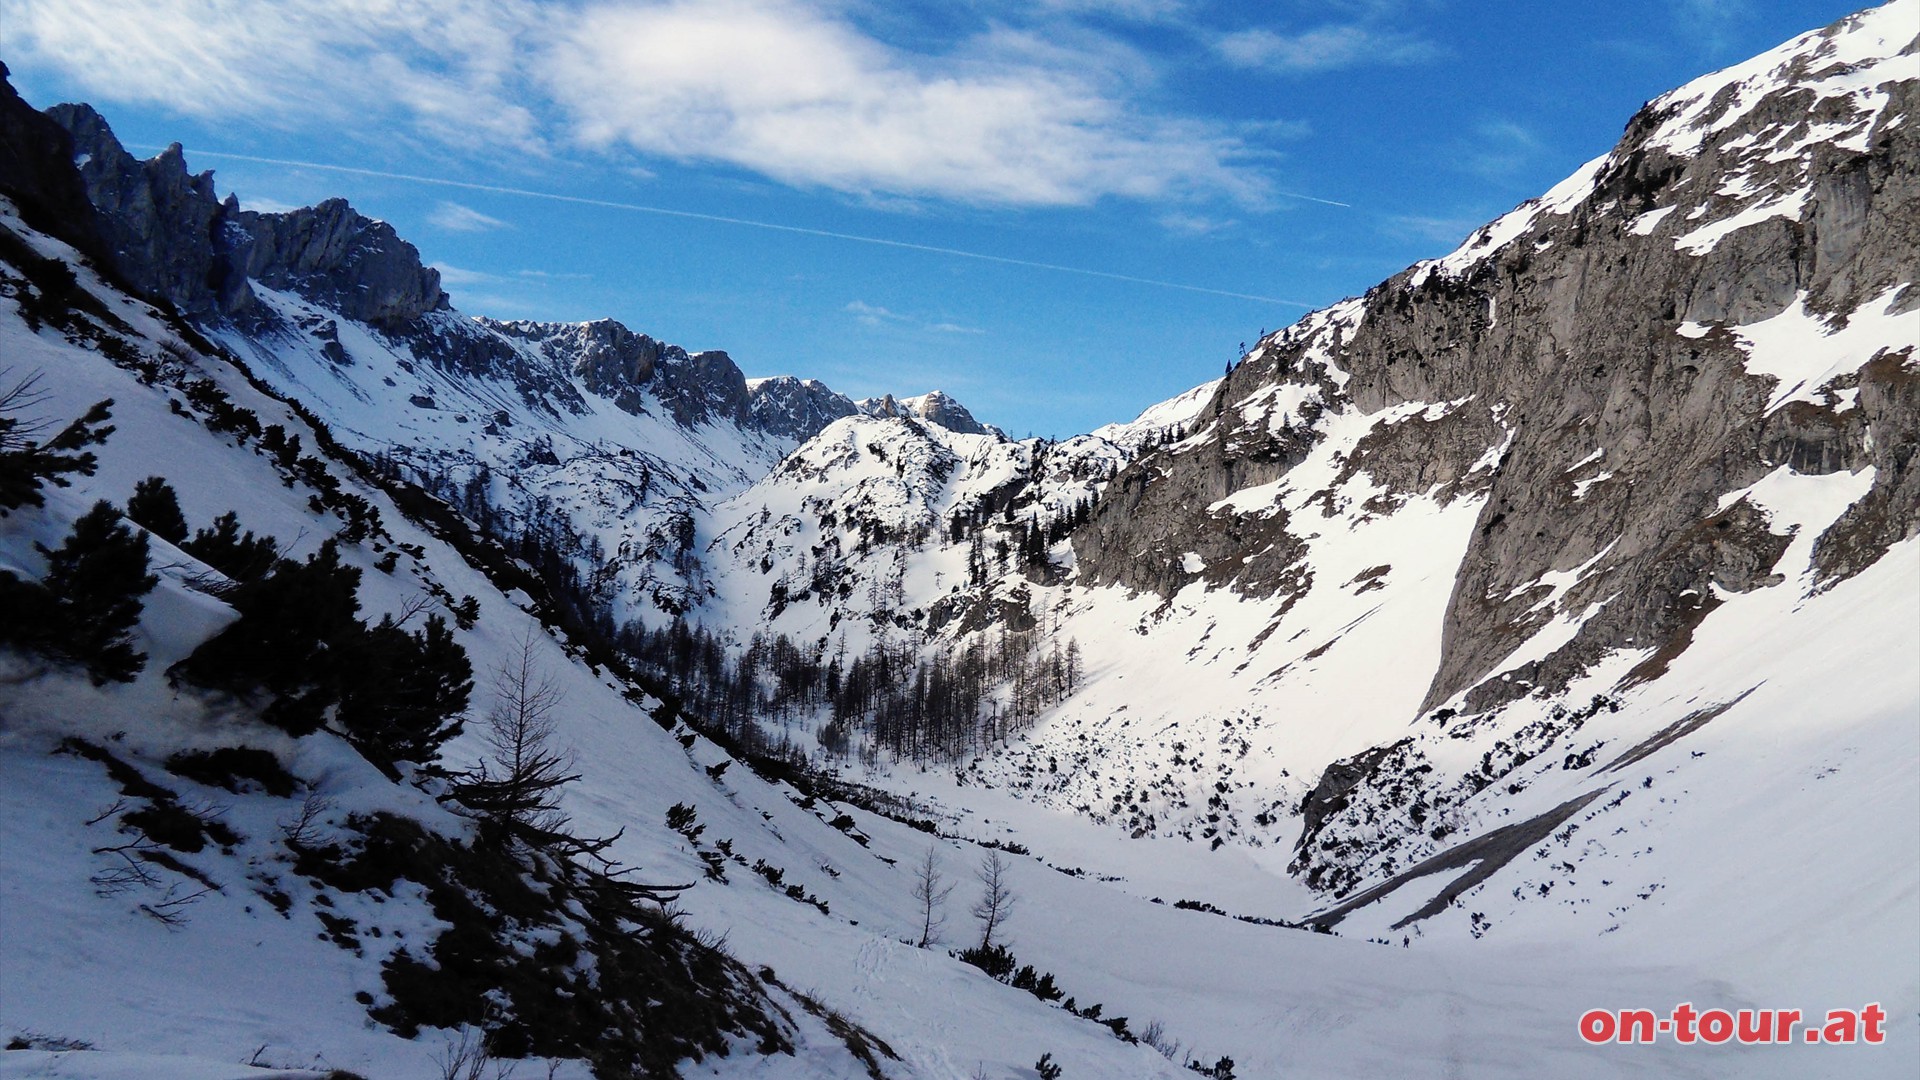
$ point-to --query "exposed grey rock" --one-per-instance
(166, 231)
(605, 357)
(1566, 338)
(796, 409)
(935, 407)
(37, 174)
(1576, 368)
(940, 408)
(614, 362)
(171, 237)
(704, 387)
(333, 255)
(1329, 794)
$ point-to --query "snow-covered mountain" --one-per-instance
(193, 888)
(1420, 576)
(590, 440)
(1550, 610)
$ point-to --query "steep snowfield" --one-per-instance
(1747, 802)
(524, 437)
(235, 976)
(900, 482)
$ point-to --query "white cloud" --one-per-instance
(444, 67)
(871, 314)
(1191, 224)
(1044, 111)
(1712, 24)
(874, 315)
(1443, 230)
(1137, 10)
(454, 217)
(454, 276)
(1323, 48)
(789, 92)
(1498, 150)
(261, 204)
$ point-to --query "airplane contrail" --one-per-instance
(663, 211)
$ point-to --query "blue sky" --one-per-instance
(1290, 153)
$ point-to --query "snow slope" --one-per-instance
(1728, 816)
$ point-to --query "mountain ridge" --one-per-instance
(1552, 600)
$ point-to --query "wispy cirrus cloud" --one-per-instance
(1711, 24)
(1192, 224)
(444, 68)
(261, 204)
(1323, 48)
(1443, 230)
(453, 217)
(1133, 10)
(1497, 149)
(874, 315)
(792, 90)
(455, 276)
(995, 122)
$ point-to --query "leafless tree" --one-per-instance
(18, 396)
(413, 605)
(171, 908)
(931, 889)
(132, 870)
(470, 1058)
(995, 905)
(515, 791)
(120, 806)
(1155, 1035)
(303, 828)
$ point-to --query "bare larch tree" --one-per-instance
(996, 903)
(931, 889)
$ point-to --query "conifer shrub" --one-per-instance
(155, 507)
(85, 610)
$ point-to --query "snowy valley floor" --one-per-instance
(1284, 1003)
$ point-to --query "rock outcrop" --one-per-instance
(171, 237)
(1606, 349)
(37, 174)
(797, 409)
(614, 362)
(938, 407)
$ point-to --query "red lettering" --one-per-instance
(1683, 1015)
(1874, 1016)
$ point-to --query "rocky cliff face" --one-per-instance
(614, 362)
(171, 237)
(939, 407)
(1610, 358)
(333, 255)
(796, 409)
(37, 174)
(935, 407)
